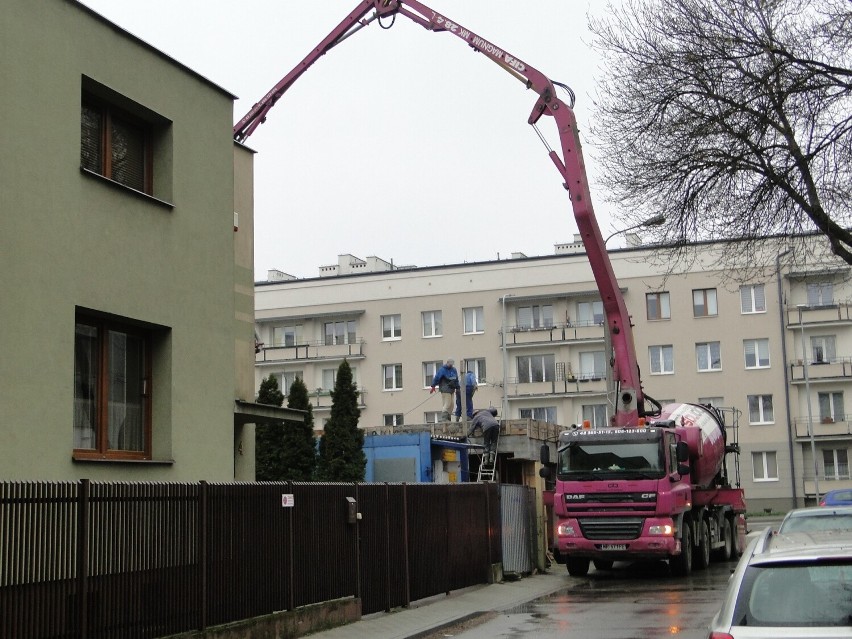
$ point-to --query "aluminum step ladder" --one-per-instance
(488, 471)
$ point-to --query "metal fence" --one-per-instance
(126, 560)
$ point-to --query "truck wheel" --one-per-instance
(724, 553)
(577, 566)
(736, 545)
(702, 550)
(603, 564)
(681, 565)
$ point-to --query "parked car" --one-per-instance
(839, 497)
(796, 585)
(816, 519)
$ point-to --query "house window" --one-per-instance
(756, 353)
(478, 368)
(760, 409)
(540, 414)
(115, 145)
(662, 359)
(590, 313)
(329, 376)
(391, 327)
(704, 302)
(392, 375)
(716, 402)
(342, 332)
(657, 306)
(708, 356)
(286, 379)
(536, 368)
(820, 294)
(752, 299)
(429, 371)
(396, 419)
(831, 407)
(286, 335)
(596, 414)
(112, 389)
(823, 349)
(592, 365)
(764, 466)
(432, 417)
(474, 320)
(535, 317)
(432, 324)
(836, 463)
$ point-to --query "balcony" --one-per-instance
(840, 312)
(320, 399)
(839, 368)
(316, 350)
(570, 332)
(824, 428)
(585, 383)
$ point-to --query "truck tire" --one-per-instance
(681, 565)
(603, 564)
(577, 566)
(702, 550)
(724, 553)
(736, 546)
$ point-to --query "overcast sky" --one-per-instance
(399, 143)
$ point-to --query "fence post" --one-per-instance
(357, 546)
(387, 550)
(291, 600)
(83, 555)
(202, 551)
(405, 543)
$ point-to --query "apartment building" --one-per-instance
(127, 306)
(532, 330)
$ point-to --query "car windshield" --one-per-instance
(595, 459)
(814, 523)
(796, 595)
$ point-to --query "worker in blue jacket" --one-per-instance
(447, 381)
(470, 386)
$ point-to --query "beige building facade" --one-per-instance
(532, 331)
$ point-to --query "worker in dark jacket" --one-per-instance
(447, 381)
(485, 419)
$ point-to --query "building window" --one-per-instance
(286, 335)
(823, 349)
(474, 320)
(756, 353)
(540, 414)
(657, 306)
(592, 365)
(478, 368)
(536, 368)
(831, 407)
(535, 317)
(342, 332)
(391, 327)
(716, 402)
(595, 414)
(115, 145)
(764, 466)
(590, 313)
(395, 419)
(704, 302)
(112, 389)
(429, 371)
(432, 324)
(709, 356)
(836, 463)
(820, 294)
(286, 379)
(432, 417)
(392, 375)
(760, 409)
(662, 359)
(752, 299)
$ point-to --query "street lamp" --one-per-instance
(808, 399)
(657, 220)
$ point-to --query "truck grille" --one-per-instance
(611, 528)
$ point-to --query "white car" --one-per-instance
(796, 586)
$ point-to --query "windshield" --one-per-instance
(591, 460)
(816, 523)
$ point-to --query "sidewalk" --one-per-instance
(434, 613)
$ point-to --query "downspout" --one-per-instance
(782, 327)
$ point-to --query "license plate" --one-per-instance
(613, 546)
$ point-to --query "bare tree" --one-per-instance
(733, 118)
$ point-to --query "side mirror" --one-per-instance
(544, 454)
(682, 469)
(682, 452)
(544, 473)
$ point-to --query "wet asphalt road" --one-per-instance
(632, 601)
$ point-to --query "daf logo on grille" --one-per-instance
(612, 485)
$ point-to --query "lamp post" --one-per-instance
(782, 322)
(505, 409)
(657, 220)
(808, 399)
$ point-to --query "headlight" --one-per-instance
(566, 529)
(662, 529)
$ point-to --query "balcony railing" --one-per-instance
(838, 426)
(836, 368)
(318, 349)
(820, 314)
(582, 383)
(576, 331)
